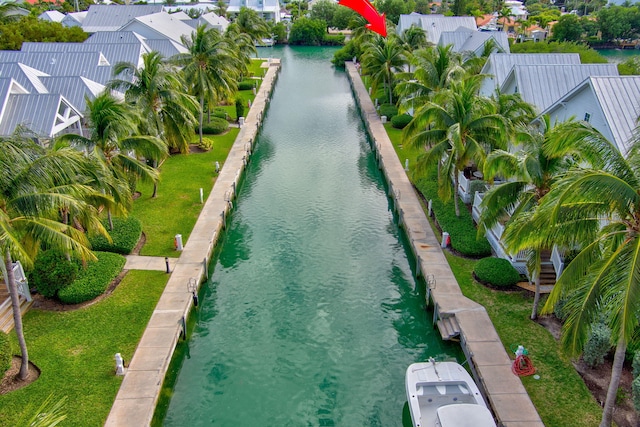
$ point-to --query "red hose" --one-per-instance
(522, 366)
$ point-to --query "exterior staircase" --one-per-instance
(448, 327)
(6, 312)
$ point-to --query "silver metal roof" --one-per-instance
(542, 85)
(467, 40)
(619, 98)
(166, 47)
(35, 111)
(111, 17)
(27, 77)
(74, 89)
(435, 25)
(500, 64)
(159, 25)
(114, 53)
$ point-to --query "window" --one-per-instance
(587, 117)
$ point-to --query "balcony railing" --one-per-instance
(557, 259)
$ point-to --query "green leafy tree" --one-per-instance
(307, 31)
(209, 68)
(394, 8)
(35, 186)
(382, 59)
(31, 29)
(456, 128)
(568, 28)
(221, 8)
(324, 10)
(160, 97)
(250, 23)
(343, 17)
(614, 23)
(598, 209)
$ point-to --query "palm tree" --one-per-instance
(116, 149)
(250, 23)
(161, 99)
(209, 68)
(435, 69)
(604, 278)
(383, 57)
(36, 185)
(414, 38)
(531, 172)
(456, 128)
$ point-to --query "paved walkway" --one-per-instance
(139, 262)
(479, 340)
(138, 394)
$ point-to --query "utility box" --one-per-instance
(178, 242)
(446, 239)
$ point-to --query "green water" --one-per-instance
(619, 55)
(312, 313)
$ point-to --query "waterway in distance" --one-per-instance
(312, 313)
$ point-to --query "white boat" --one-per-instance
(443, 394)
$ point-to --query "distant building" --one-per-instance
(51, 16)
(269, 10)
(113, 17)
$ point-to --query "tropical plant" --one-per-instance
(156, 92)
(382, 58)
(456, 128)
(209, 68)
(250, 23)
(414, 38)
(115, 149)
(598, 209)
(36, 185)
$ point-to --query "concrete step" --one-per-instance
(448, 327)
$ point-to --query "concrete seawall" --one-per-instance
(138, 395)
(480, 342)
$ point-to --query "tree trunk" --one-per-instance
(455, 192)
(110, 218)
(616, 373)
(536, 297)
(17, 316)
(201, 115)
(155, 183)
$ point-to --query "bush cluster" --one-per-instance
(388, 110)
(400, 121)
(5, 353)
(333, 39)
(239, 107)
(246, 85)
(219, 112)
(598, 344)
(496, 272)
(125, 235)
(215, 127)
(52, 271)
(93, 280)
(461, 229)
(206, 144)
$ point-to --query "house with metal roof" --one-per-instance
(435, 25)
(44, 114)
(113, 17)
(542, 85)
(499, 65)
(211, 20)
(468, 41)
(51, 16)
(610, 104)
(161, 25)
(269, 10)
(74, 19)
(112, 52)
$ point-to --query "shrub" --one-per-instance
(461, 229)
(215, 127)
(477, 186)
(559, 309)
(5, 353)
(51, 272)
(635, 390)
(401, 121)
(93, 280)
(219, 112)
(246, 85)
(206, 144)
(125, 235)
(496, 272)
(598, 344)
(388, 110)
(636, 364)
(333, 39)
(239, 107)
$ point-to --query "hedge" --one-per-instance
(5, 353)
(388, 110)
(461, 229)
(220, 113)
(52, 271)
(215, 127)
(401, 121)
(246, 85)
(496, 272)
(125, 236)
(94, 280)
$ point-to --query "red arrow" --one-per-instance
(376, 23)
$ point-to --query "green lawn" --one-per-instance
(177, 206)
(75, 351)
(560, 396)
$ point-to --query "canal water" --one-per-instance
(312, 313)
